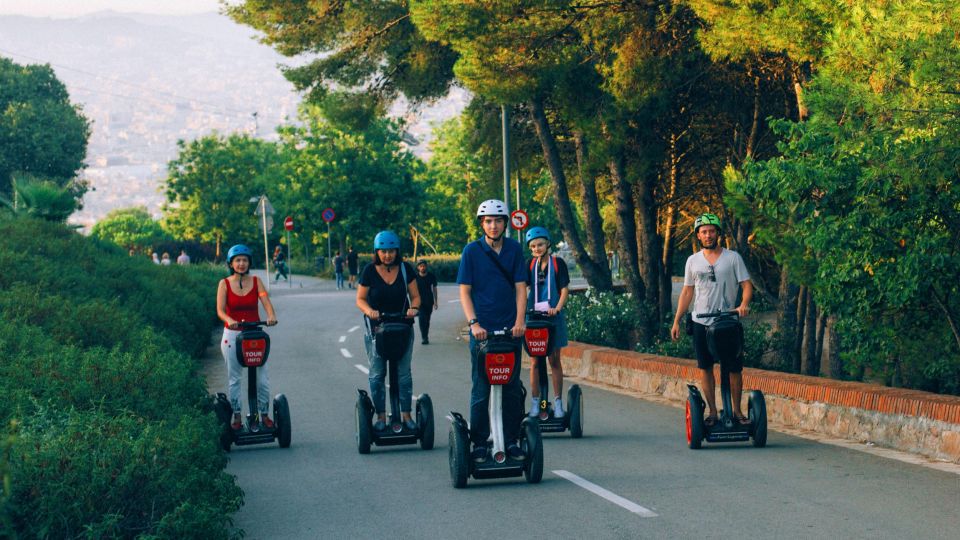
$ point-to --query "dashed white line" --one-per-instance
(345, 353)
(362, 368)
(606, 494)
(453, 301)
(354, 329)
(343, 338)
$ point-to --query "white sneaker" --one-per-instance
(534, 408)
(558, 408)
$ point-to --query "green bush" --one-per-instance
(605, 318)
(757, 342)
(112, 434)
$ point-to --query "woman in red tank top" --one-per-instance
(237, 301)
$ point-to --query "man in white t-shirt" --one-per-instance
(711, 279)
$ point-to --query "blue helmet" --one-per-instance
(537, 232)
(238, 249)
(386, 240)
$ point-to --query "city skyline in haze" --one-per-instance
(78, 8)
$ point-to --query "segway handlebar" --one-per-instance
(251, 325)
(538, 313)
(717, 314)
(506, 332)
(392, 316)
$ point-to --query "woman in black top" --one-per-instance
(387, 287)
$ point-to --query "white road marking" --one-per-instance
(345, 353)
(354, 329)
(362, 368)
(453, 301)
(606, 494)
(343, 338)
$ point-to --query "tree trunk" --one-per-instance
(789, 325)
(799, 79)
(810, 366)
(219, 243)
(669, 211)
(836, 364)
(626, 228)
(648, 244)
(595, 272)
(596, 241)
(821, 335)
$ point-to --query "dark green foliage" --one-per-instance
(605, 318)
(111, 432)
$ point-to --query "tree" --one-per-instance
(41, 132)
(40, 198)
(130, 228)
(210, 184)
(367, 177)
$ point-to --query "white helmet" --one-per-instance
(492, 207)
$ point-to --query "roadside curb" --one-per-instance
(911, 421)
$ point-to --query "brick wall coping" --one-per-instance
(859, 395)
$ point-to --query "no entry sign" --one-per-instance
(288, 223)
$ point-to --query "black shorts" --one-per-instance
(705, 360)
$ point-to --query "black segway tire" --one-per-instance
(459, 457)
(281, 413)
(757, 409)
(695, 427)
(425, 421)
(532, 445)
(575, 412)
(364, 416)
(224, 412)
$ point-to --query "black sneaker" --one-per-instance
(425, 342)
(479, 454)
(514, 452)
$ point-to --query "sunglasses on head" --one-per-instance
(713, 274)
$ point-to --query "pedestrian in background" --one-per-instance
(165, 259)
(183, 259)
(429, 300)
(155, 258)
(338, 269)
(352, 266)
(280, 263)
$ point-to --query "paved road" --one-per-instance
(635, 449)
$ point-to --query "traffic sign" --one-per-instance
(288, 223)
(328, 215)
(519, 219)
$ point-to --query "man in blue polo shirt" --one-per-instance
(493, 293)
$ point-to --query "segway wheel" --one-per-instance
(757, 409)
(532, 445)
(224, 414)
(459, 457)
(695, 426)
(425, 421)
(281, 412)
(364, 428)
(575, 414)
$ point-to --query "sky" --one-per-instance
(75, 8)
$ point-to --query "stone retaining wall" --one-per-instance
(907, 420)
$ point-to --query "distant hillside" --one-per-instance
(148, 80)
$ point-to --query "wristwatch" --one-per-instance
(472, 322)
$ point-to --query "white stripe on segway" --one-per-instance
(343, 338)
(354, 329)
(606, 494)
(362, 368)
(345, 353)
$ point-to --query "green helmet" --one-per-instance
(707, 219)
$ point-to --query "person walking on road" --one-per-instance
(352, 266)
(280, 264)
(711, 280)
(549, 285)
(427, 285)
(493, 293)
(338, 269)
(388, 285)
(237, 301)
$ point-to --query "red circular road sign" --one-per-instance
(288, 223)
(519, 219)
(328, 215)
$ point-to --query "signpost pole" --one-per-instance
(328, 240)
(289, 263)
(266, 249)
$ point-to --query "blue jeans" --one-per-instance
(378, 372)
(339, 280)
(480, 401)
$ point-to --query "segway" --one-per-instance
(390, 339)
(725, 340)
(538, 341)
(501, 357)
(253, 349)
